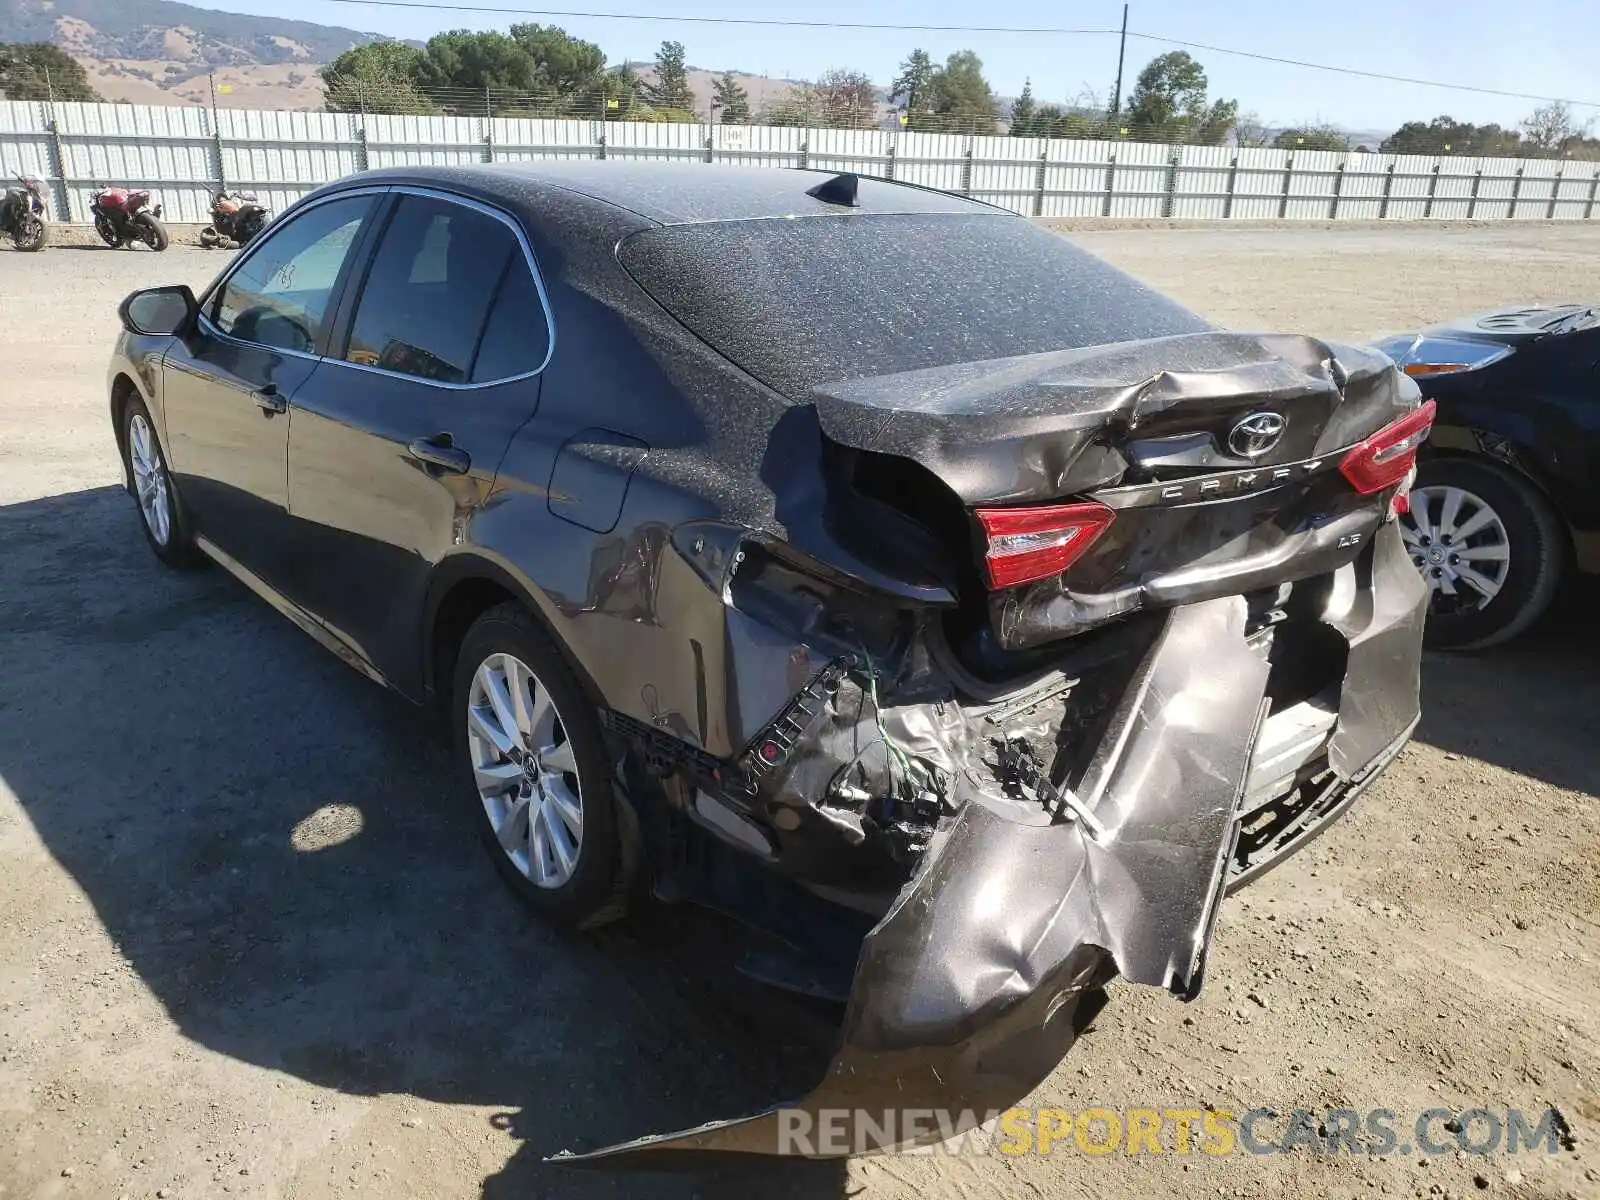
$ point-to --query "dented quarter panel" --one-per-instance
(965, 991)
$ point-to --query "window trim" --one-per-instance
(340, 284)
(344, 325)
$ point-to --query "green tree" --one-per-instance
(462, 67)
(618, 96)
(1446, 135)
(729, 100)
(533, 70)
(1169, 103)
(961, 97)
(40, 71)
(1023, 112)
(571, 70)
(1312, 137)
(848, 99)
(671, 86)
(1053, 121)
(912, 91)
(379, 77)
(799, 107)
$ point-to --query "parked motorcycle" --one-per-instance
(235, 217)
(121, 219)
(22, 215)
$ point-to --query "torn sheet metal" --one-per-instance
(1382, 689)
(965, 992)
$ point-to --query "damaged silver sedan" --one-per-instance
(856, 559)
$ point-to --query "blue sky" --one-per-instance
(1536, 46)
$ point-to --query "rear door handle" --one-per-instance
(440, 452)
(268, 399)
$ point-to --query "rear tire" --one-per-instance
(151, 232)
(534, 770)
(1514, 544)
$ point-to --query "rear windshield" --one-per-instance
(804, 301)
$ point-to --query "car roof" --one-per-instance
(682, 193)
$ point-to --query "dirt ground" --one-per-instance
(248, 946)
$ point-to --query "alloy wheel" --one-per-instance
(1459, 544)
(150, 479)
(525, 771)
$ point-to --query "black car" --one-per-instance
(1507, 496)
(857, 559)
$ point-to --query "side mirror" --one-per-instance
(159, 311)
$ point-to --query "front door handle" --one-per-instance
(441, 453)
(268, 400)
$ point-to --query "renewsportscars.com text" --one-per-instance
(1203, 1131)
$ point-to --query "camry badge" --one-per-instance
(1256, 434)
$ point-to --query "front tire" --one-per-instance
(535, 770)
(30, 233)
(1490, 546)
(151, 232)
(108, 233)
(161, 516)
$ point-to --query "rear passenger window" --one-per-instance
(517, 338)
(426, 299)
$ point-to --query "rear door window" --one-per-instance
(516, 340)
(424, 308)
(280, 295)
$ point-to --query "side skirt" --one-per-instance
(330, 639)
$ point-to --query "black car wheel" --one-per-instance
(160, 511)
(1490, 547)
(536, 769)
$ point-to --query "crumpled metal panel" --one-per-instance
(965, 991)
(1383, 676)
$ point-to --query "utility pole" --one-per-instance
(1122, 50)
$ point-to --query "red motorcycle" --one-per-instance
(121, 219)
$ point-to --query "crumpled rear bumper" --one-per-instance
(976, 982)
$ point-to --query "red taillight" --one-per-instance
(1386, 457)
(1025, 544)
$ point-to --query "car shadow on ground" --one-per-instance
(279, 849)
(1532, 705)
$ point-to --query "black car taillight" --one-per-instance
(1388, 456)
(1024, 544)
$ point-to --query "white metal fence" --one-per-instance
(186, 154)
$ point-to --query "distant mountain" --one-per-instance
(165, 30)
(162, 52)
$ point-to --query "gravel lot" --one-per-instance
(249, 947)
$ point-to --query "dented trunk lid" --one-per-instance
(1217, 452)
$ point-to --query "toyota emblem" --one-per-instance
(1257, 434)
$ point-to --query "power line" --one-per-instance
(790, 24)
(1295, 62)
(1036, 30)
